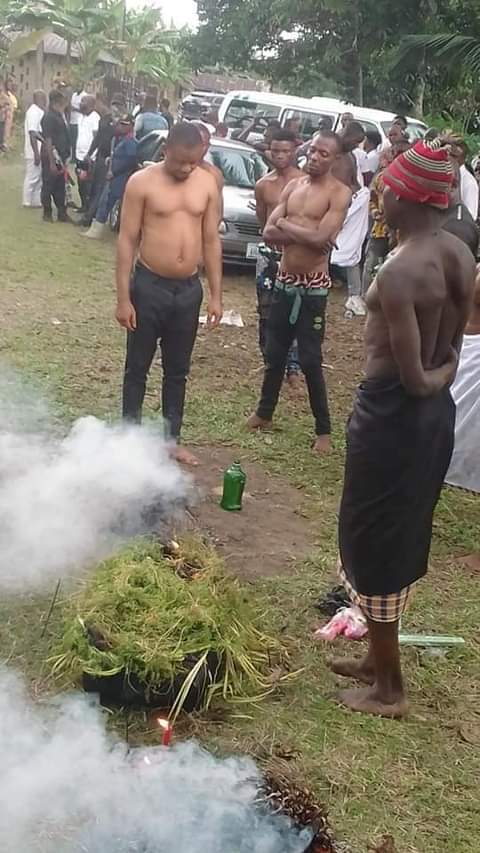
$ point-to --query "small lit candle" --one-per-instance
(167, 731)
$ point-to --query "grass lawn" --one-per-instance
(418, 779)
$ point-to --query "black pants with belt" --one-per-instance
(309, 330)
(167, 311)
(53, 187)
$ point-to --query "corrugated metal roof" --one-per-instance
(54, 45)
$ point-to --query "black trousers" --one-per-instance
(167, 310)
(84, 186)
(309, 330)
(99, 179)
(53, 187)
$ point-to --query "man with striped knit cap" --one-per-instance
(400, 436)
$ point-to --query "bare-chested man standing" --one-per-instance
(268, 191)
(400, 435)
(305, 222)
(170, 217)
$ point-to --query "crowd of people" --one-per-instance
(397, 220)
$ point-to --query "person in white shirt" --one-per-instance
(75, 103)
(32, 184)
(87, 128)
(468, 184)
(372, 146)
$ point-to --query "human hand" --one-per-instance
(126, 315)
(214, 313)
(450, 366)
(36, 159)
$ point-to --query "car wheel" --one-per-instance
(115, 216)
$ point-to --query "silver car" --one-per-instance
(241, 167)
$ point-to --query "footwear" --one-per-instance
(355, 306)
(64, 217)
(47, 217)
(95, 232)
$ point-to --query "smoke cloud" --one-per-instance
(67, 500)
(67, 787)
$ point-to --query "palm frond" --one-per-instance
(448, 48)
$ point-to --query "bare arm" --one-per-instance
(261, 207)
(405, 339)
(328, 227)
(212, 256)
(272, 233)
(243, 136)
(34, 143)
(130, 230)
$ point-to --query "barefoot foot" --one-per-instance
(256, 423)
(359, 668)
(183, 456)
(371, 700)
(321, 444)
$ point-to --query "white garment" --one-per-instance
(75, 102)
(362, 164)
(32, 184)
(87, 128)
(373, 158)
(351, 238)
(464, 468)
(469, 191)
(33, 124)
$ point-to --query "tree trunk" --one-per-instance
(420, 86)
(357, 59)
(39, 65)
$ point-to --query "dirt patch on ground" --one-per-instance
(268, 535)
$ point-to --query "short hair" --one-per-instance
(431, 134)
(374, 137)
(273, 123)
(165, 103)
(184, 133)
(56, 97)
(463, 147)
(401, 120)
(325, 123)
(329, 134)
(283, 135)
(150, 103)
(354, 127)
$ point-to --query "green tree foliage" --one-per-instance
(347, 47)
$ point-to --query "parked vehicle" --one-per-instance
(241, 167)
(239, 109)
(196, 105)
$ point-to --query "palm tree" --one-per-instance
(449, 49)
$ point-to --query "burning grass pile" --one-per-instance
(166, 627)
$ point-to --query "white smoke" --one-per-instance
(67, 787)
(67, 501)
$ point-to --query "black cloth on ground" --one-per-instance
(398, 452)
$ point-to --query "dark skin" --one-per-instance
(310, 214)
(345, 167)
(57, 106)
(473, 325)
(269, 189)
(417, 310)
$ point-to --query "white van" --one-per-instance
(239, 109)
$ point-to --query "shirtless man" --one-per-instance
(170, 218)
(307, 219)
(267, 195)
(400, 435)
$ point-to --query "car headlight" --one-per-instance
(222, 228)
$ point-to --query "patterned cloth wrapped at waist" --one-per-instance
(299, 285)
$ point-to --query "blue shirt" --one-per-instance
(146, 122)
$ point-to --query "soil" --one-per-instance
(251, 547)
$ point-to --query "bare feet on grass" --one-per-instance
(255, 423)
(321, 444)
(183, 456)
(373, 700)
(361, 669)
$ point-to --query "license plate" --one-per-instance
(252, 251)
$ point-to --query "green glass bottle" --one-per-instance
(234, 481)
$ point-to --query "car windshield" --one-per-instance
(241, 112)
(239, 167)
(415, 129)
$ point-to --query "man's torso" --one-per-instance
(171, 242)
(33, 124)
(437, 275)
(55, 128)
(270, 187)
(87, 128)
(307, 206)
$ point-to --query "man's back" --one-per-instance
(427, 283)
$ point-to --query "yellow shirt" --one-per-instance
(13, 101)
